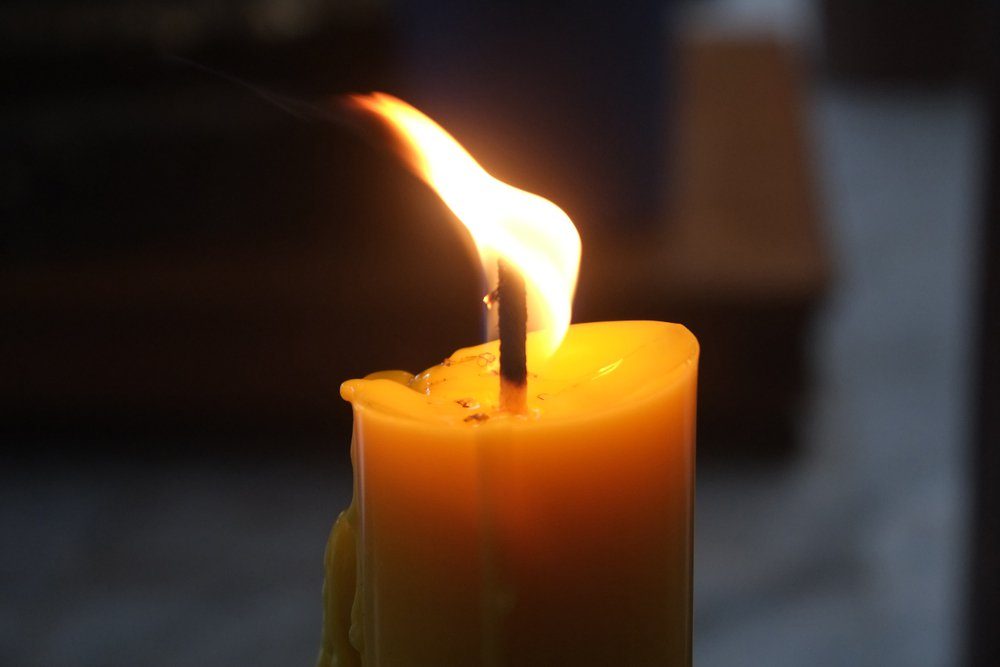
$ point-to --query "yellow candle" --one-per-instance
(560, 537)
(554, 533)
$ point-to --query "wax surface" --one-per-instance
(562, 536)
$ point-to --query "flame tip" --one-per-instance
(525, 229)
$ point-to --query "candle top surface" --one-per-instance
(600, 368)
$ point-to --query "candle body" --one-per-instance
(563, 537)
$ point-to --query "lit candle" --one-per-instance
(551, 528)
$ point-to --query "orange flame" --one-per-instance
(527, 231)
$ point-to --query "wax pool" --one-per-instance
(562, 537)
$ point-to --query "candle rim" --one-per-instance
(353, 391)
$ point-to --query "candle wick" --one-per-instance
(513, 324)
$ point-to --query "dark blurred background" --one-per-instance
(191, 261)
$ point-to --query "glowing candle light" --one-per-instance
(554, 534)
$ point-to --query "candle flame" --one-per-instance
(527, 231)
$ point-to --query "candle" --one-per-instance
(554, 533)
